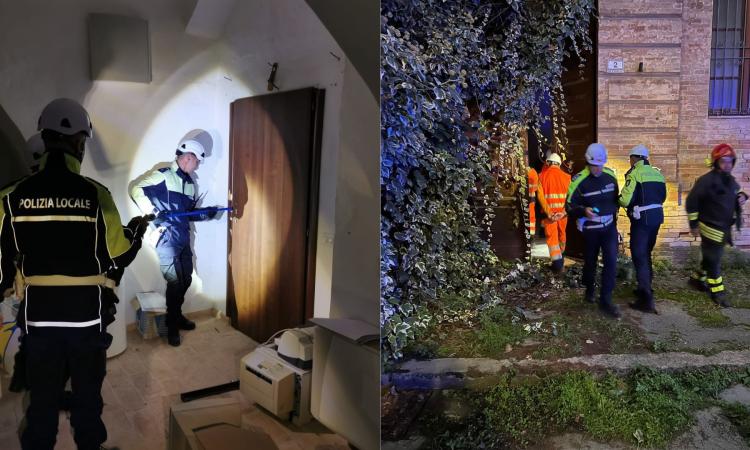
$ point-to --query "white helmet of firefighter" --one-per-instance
(596, 154)
(191, 146)
(639, 150)
(198, 142)
(554, 158)
(65, 116)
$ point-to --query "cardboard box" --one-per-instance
(213, 424)
(229, 437)
(150, 314)
(185, 418)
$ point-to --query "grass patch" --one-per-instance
(488, 337)
(496, 331)
(739, 415)
(697, 304)
(646, 408)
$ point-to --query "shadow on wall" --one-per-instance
(12, 150)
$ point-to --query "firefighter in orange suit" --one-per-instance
(554, 183)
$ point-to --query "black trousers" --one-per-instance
(604, 240)
(177, 270)
(52, 355)
(712, 252)
(642, 242)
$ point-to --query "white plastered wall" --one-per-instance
(44, 55)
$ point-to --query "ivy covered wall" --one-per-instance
(460, 83)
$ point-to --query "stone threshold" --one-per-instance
(453, 373)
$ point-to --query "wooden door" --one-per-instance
(579, 88)
(273, 187)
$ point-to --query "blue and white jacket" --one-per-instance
(168, 190)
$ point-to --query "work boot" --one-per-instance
(557, 266)
(173, 337)
(589, 297)
(185, 324)
(644, 306)
(174, 340)
(721, 299)
(698, 284)
(610, 310)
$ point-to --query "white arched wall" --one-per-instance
(44, 56)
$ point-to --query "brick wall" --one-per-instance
(665, 106)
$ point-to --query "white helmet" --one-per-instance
(65, 116)
(554, 158)
(596, 154)
(198, 142)
(191, 146)
(639, 150)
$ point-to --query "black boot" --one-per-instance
(610, 310)
(643, 306)
(173, 339)
(557, 266)
(185, 324)
(173, 332)
(644, 302)
(589, 297)
(697, 284)
(721, 299)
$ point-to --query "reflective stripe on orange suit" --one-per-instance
(554, 183)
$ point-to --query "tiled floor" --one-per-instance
(148, 377)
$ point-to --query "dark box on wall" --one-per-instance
(119, 48)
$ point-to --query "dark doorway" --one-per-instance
(274, 177)
(580, 90)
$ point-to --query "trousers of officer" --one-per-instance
(177, 270)
(642, 242)
(52, 355)
(605, 240)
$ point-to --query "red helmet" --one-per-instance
(721, 151)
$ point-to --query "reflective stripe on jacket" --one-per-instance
(588, 191)
(57, 222)
(554, 182)
(168, 189)
(644, 187)
(712, 202)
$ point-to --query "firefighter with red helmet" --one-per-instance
(713, 206)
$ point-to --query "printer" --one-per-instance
(278, 377)
(296, 347)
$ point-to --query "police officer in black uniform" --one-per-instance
(713, 206)
(63, 230)
(592, 202)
